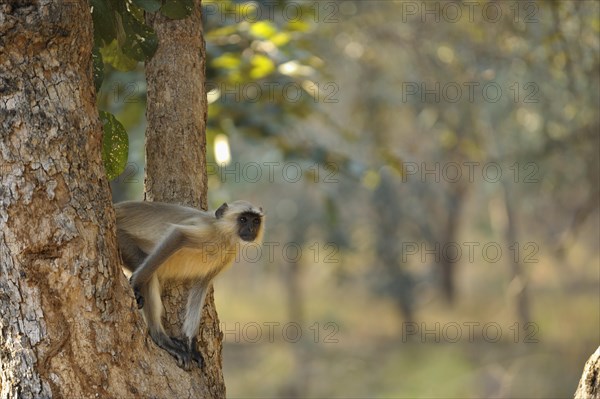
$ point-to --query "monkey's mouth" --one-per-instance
(247, 237)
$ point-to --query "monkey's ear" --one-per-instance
(221, 211)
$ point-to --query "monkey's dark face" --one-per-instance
(249, 224)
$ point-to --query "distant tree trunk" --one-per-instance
(398, 282)
(518, 282)
(456, 198)
(69, 327)
(589, 385)
(176, 160)
(298, 385)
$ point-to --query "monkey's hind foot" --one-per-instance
(179, 343)
(192, 346)
(191, 353)
(184, 356)
(197, 356)
(177, 349)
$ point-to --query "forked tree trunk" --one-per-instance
(69, 327)
(176, 160)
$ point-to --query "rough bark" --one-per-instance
(176, 160)
(589, 385)
(68, 324)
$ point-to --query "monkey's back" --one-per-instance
(147, 222)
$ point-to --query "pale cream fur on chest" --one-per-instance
(192, 263)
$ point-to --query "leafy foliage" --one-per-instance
(115, 145)
(121, 34)
(98, 66)
(177, 9)
(122, 39)
(262, 75)
(148, 5)
(256, 53)
(263, 57)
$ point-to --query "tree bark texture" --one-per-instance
(69, 327)
(176, 160)
(589, 385)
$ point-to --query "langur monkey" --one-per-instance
(161, 241)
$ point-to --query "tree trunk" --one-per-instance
(176, 159)
(454, 206)
(298, 384)
(589, 385)
(518, 283)
(69, 325)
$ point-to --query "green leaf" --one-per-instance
(177, 9)
(113, 55)
(263, 29)
(98, 67)
(298, 25)
(141, 41)
(115, 145)
(105, 24)
(281, 39)
(261, 66)
(148, 5)
(227, 61)
(221, 32)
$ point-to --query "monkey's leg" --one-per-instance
(153, 314)
(133, 257)
(193, 316)
(131, 253)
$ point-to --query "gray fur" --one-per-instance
(166, 241)
(194, 306)
(171, 243)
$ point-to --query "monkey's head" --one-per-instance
(245, 219)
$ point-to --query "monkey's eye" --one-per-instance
(243, 219)
(256, 221)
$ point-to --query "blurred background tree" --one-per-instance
(426, 168)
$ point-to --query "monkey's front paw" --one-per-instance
(137, 293)
(139, 298)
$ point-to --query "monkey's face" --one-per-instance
(249, 225)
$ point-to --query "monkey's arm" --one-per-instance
(173, 241)
(146, 287)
